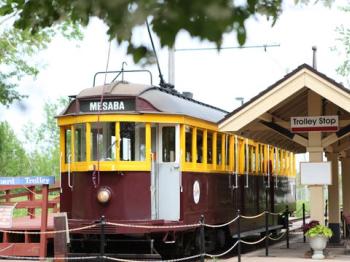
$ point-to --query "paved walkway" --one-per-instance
(298, 251)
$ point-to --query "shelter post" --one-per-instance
(333, 199)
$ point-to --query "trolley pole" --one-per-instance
(202, 237)
(239, 234)
(287, 225)
(102, 238)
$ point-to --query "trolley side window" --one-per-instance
(103, 141)
(210, 147)
(219, 149)
(188, 141)
(199, 146)
(132, 141)
(67, 144)
(79, 142)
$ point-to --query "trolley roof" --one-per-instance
(147, 99)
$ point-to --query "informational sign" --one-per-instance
(27, 180)
(315, 173)
(6, 214)
(107, 105)
(314, 123)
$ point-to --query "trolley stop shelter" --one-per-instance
(305, 111)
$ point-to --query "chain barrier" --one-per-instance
(253, 217)
(154, 227)
(222, 225)
(278, 238)
(224, 253)
(49, 232)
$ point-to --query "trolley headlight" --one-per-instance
(104, 195)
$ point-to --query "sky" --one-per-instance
(216, 78)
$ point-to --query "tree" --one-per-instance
(43, 141)
(206, 19)
(18, 46)
(13, 160)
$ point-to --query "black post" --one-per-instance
(239, 234)
(102, 238)
(267, 233)
(202, 237)
(287, 225)
(304, 238)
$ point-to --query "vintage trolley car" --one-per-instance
(148, 155)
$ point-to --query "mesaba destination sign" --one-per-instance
(314, 123)
(107, 105)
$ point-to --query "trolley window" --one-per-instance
(67, 144)
(188, 141)
(209, 147)
(79, 142)
(219, 149)
(168, 144)
(132, 141)
(227, 151)
(103, 141)
(199, 146)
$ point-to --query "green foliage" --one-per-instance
(205, 19)
(299, 208)
(43, 141)
(13, 160)
(319, 230)
(19, 45)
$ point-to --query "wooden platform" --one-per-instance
(26, 223)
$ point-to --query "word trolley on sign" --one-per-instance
(314, 123)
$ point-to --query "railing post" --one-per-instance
(239, 234)
(102, 238)
(267, 233)
(304, 238)
(287, 224)
(202, 239)
(43, 227)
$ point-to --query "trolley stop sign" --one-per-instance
(314, 123)
(27, 180)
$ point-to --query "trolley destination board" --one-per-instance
(110, 105)
(314, 123)
(27, 180)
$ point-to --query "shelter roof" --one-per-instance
(266, 117)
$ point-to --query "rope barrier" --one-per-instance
(253, 243)
(169, 260)
(224, 253)
(252, 217)
(278, 238)
(222, 225)
(154, 227)
(48, 232)
(277, 214)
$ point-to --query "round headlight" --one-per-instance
(104, 195)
